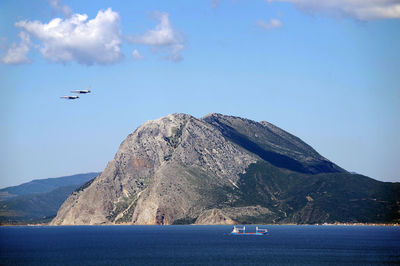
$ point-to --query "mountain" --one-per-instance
(223, 170)
(40, 199)
(44, 185)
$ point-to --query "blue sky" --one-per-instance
(326, 71)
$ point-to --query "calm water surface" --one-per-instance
(188, 245)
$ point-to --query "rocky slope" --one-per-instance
(180, 169)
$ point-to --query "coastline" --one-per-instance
(125, 224)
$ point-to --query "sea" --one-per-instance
(199, 245)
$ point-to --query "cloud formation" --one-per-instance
(16, 53)
(271, 24)
(359, 9)
(59, 7)
(89, 41)
(136, 55)
(95, 41)
(163, 37)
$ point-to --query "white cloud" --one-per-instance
(95, 41)
(59, 7)
(136, 55)
(271, 24)
(90, 41)
(16, 53)
(163, 37)
(359, 9)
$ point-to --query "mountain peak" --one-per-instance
(177, 168)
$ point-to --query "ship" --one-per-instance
(242, 231)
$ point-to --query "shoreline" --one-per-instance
(324, 224)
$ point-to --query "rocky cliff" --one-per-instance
(180, 169)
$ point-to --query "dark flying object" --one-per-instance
(71, 97)
(82, 91)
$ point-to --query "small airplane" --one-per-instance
(82, 91)
(71, 97)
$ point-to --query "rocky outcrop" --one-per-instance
(160, 174)
(214, 216)
(180, 169)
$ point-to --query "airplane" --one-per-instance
(71, 97)
(82, 91)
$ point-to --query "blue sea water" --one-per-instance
(191, 245)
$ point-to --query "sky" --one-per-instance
(327, 71)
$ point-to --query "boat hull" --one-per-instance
(253, 234)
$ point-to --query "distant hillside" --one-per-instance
(45, 185)
(222, 170)
(26, 204)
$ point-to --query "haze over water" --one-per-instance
(172, 245)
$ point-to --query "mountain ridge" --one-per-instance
(181, 169)
(39, 199)
(44, 185)
(287, 158)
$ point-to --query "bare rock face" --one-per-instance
(214, 216)
(231, 215)
(158, 175)
(179, 169)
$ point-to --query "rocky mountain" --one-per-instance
(38, 200)
(223, 170)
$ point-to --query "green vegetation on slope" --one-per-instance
(281, 150)
(327, 197)
(45, 185)
(33, 207)
(28, 205)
